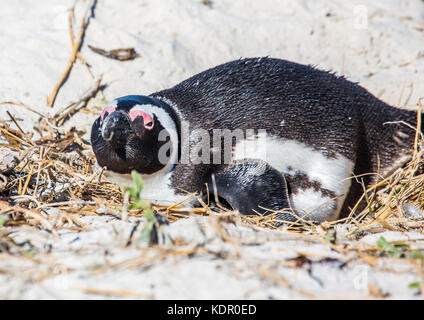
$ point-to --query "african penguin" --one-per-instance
(262, 134)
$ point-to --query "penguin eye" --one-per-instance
(149, 125)
(147, 118)
(108, 109)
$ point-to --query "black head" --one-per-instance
(133, 133)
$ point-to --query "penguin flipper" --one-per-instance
(252, 186)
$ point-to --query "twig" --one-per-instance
(60, 116)
(117, 54)
(75, 48)
(72, 37)
(66, 203)
(19, 104)
(19, 127)
(124, 293)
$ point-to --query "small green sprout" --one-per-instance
(398, 250)
(330, 237)
(3, 219)
(392, 250)
(415, 286)
(149, 232)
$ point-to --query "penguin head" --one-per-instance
(133, 133)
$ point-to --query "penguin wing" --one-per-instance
(252, 186)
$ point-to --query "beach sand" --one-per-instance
(378, 44)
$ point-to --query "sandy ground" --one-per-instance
(378, 44)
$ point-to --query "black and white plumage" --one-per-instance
(304, 134)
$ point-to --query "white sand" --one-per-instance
(379, 45)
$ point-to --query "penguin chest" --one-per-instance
(318, 184)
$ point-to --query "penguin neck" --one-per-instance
(176, 119)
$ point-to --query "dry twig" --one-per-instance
(76, 45)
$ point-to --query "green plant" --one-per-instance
(135, 194)
(415, 286)
(398, 250)
(3, 219)
(392, 250)
(149, 232)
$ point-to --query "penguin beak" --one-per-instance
(115, 126)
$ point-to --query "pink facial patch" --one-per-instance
(108, 109)
(147, 118)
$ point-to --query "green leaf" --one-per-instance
(137, 180)
(382, 243)
(145, 235)
(398, 250)
(150, 217)
(414, 285)
(135, 192)
(137, 203)
(330, 237)
(3, 219)
(416, 255)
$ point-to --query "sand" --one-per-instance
(378, 44)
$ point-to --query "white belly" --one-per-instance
(290, 157)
